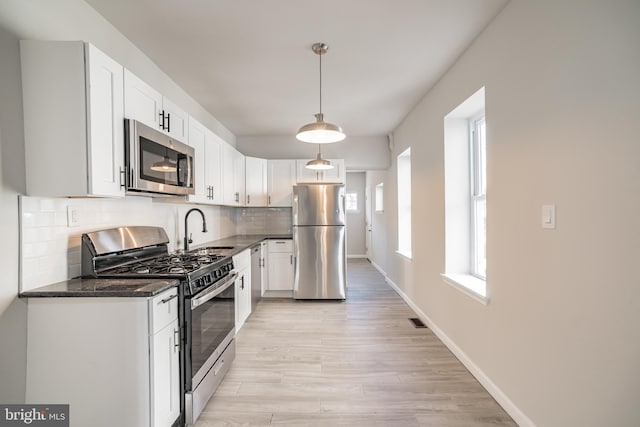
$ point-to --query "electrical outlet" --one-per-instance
(73, 219)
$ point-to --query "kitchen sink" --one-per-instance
(214, 250)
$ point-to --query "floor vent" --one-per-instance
(417, 323)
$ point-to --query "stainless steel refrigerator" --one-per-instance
(319, 241)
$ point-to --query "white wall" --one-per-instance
(13, 312)
(351, 150)
(51, 250)
(558, 344)
(50, 20)
(355, 183)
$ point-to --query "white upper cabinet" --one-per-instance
(281, 177)
(145, 104)
(256, 182)
(213, 171)
(197, 140)
(73, 120)
(337, 174)
(208, 181)
(233, 179)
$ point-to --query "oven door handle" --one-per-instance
(208, 295)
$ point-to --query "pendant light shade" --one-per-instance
(320, 132)
(319, 164)
(166, 165)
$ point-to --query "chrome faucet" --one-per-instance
(187, 236)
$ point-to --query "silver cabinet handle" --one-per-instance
(248, 199)
(123, 177)
(176, 340)
(166, 300)
(268, 200)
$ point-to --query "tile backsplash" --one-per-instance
(263, 220)
(50, 238)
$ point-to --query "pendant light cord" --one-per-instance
(320, 55)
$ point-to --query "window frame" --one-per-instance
(477, 193)
(404, 226)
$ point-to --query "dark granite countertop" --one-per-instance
(141, 287)
(102, 288)
(235, 244)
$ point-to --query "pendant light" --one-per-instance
(166, 165)
(320, 132)
(319, 164)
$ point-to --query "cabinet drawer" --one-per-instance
(163, 309)
(280, 245)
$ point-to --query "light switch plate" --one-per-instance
(549, 216)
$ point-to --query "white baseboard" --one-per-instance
(503, 400)
(380, 270)
(356, 256)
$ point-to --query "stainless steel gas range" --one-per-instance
(206, 300)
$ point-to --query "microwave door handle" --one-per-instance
(208, 295)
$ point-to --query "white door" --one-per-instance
(243, 297)
(141, 101)
(106, 130)
(228, 175)
(256, 182)
(213, 167)
(239, 178)
(165, 376)
(280, 271)
(281, 177)
(175, 120)
(197, 140)
(368, 200)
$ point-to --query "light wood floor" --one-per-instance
(354, 363)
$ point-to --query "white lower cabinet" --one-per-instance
(115, 361)
(242, 266)
(280, 266)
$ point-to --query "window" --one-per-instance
(351, 202)
(465, 162)
(404, 203)
(478, 172)
(380, 197)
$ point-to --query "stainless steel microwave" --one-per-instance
(157, 163)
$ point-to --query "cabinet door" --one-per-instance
(213, 171)
(197, 140)
(175, 120)
(239, 177)
(256, 182)
(105, 111)
(243, 297)
(335, 175)
(165, 375)
(228, 177)
(232, 176)
(141, 102)
(264, 277)
(281, 177)
(305, 175)
(280, 271)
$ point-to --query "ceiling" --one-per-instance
(250, 64)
